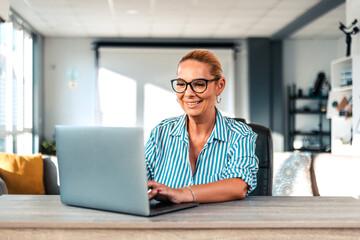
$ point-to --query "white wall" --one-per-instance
(353, 12)
(62, 105)
(303, 59)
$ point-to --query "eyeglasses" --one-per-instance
(197, 85)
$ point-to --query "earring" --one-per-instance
(218, 98)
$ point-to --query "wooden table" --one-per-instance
(44, 217)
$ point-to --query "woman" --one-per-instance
(200, 156)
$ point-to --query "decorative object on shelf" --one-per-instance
(346, 78)
(308, 142)
(300, 92)
(323, 109)
(342, 104)
(326, 88)
(337, 104)
(316, 90)
(72, 75)
(348, 108)
(348, 31)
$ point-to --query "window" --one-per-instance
(117, 97)
(134, 85)
(16, 89)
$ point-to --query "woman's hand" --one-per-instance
(219, 191)
(162, 192)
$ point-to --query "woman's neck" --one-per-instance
(200, 126)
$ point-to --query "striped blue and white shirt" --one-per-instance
(228, 153)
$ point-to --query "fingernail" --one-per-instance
(158, 190)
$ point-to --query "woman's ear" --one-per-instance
(220, 85)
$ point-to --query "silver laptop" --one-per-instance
(104, 168)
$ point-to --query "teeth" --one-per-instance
(192, 104)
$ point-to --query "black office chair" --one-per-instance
(264, 152)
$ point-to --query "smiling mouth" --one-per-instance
(193, 103)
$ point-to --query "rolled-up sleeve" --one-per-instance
(242, 161)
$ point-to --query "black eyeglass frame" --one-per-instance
(190, 83)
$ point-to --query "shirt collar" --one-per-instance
(180, 128)
(220, 129)
(219, 132)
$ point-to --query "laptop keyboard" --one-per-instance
(157, 207)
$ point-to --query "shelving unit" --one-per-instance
(314, 109)
(345, 130)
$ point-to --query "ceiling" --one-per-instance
(174, 18)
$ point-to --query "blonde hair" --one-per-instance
(205, 56)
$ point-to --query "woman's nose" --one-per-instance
(189, 91)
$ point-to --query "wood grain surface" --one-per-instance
(44, 217)
(184, 234)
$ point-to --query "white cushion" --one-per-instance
(291, 172)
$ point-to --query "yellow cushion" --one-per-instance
(22, 174)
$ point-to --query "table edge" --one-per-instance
(178, 225)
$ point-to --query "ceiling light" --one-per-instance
(132, 11)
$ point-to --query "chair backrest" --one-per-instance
(264, 152)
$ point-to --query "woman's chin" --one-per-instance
(196, 112)
(193, 112)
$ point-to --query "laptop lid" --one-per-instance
(102, 168)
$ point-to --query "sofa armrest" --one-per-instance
(51, 176)
(3, 188)
(337, 175)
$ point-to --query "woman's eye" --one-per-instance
(199, 84)
(179, 84)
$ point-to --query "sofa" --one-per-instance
(326, 175)
(315, 174)
(50, 177)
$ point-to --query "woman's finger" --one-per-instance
(151, 184)
(162, 192)
(152, 193)
(153, 189)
